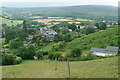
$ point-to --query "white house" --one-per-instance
(108, 51)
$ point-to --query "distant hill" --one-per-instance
(95, 12)
(99, 39)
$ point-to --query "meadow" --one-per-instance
(10, 22)
(101, 68)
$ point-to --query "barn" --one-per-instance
(108, 51)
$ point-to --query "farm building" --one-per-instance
(108, 51)
(80, 27)
(48, 33)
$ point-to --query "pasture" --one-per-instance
(101, 68)
(79, 19)
(48, 20)
(10, 22)
(36, 17)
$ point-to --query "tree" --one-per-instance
(64, 31)
(58, 37)
(67, 37)
(88, 30)
(39, 54)
(24, 26)
(75, 52)
(10, 34)
(72, 26)
(27, 52)
(102, 26)
(15, 43)
(54, 56)
(97, 25)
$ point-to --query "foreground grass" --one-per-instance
(101, 68)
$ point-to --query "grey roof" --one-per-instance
(97, 49)
(112, 48)
(108, 49)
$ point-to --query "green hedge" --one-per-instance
(10, 59)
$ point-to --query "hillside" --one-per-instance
(101, 68)
(94, 12)
(99, 39)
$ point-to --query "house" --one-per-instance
(108, 51)
(80, 27)
(26, 43)
(47, 32)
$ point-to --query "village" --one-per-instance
(59, 42)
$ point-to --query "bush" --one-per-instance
(18, 60)
(8, 59)
(87, 57)
(75, 59)
(39, 54)
(27, 52)
(76, 53)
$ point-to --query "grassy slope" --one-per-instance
(8, 22)
(102, 68)
(99, 39)
(48, 47)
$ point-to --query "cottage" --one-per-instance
(80, 27)
(108, 51)
(48, 33)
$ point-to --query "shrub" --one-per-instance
(18, 60)
(75, 59)
(51, 56)
(27, 52)
(88, 57)
(76, 53)
(39, 54)
(8, 59)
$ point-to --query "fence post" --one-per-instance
(68, 67)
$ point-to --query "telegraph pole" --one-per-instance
(68, 67)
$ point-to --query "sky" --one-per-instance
(47, 3)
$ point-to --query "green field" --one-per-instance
(49, 26)
(79, 19)
(101, 68)
(9, 23)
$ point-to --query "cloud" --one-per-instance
(45, 3)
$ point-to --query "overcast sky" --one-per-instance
(46, 3)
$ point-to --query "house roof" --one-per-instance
(97, 49)
(112, 48)
(106, 50)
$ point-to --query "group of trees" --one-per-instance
(101, 25)
(63, 37)
(11, 33)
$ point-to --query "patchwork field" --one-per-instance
(36, 17)
(10, 22)
(57, 21)
(102, 68)
(48, 20)
(79, 19)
